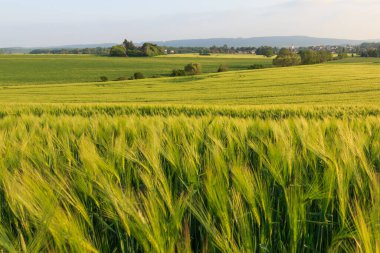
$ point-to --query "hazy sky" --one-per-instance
(61, 22)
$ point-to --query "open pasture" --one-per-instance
(324, 84)
(50, 69)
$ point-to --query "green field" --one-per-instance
(77, 179)
(44, 69)
(271, 160)
(325, 84)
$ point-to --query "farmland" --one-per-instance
(269, 160)
(53, 69)
(355, 83)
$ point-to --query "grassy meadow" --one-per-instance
(325, 84)
(53, 69)
(270, 160)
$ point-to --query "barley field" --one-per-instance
(170, 182)
(325, 84)
(272, 160)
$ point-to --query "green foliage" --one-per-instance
(266, 51)
(129, 45)
(331, 84)
(223, 68)
(369, 50)
(129, 49)
(23, 69)
(314, 57)
(256, 66)
(118, 51)
(150, 49)
(103, 78)
(286, 58)
(135, 53)
(89, 179)
(138, 75)
(122, 78)
(342, 56)
(178, 72)
(205, 53)
(193, 69)
(94, 51)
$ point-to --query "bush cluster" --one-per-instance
(189, 70)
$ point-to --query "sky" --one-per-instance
(37, 23)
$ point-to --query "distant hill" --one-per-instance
(81, 46)
(26, 50)
(274, 41)
(15, 50)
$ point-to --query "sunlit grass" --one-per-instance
(51, 69)
(82, 179)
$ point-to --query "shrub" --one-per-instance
(287, 58)
(103, 78)
(178, 72)
(150, 49)
(342, 56)
(266, 51)
(256, 66)
(138, 75)
(204, 53)
(135, 53)
(223, 68)
(118, 51)
(314, 57)
(122, 78)
(193, 69)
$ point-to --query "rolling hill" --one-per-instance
(274, 41)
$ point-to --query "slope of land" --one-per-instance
(41, 69)
(347, 83)
(165, 165)
(274, 41)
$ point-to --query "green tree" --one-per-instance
(138, 75)
(178, 72)
(266, 51)
(150, 49)
(129, 45)
(287, 58)
(103, 78)
(309, 56)
(193, 69)
(223, 68)
(118, 51)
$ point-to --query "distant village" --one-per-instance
(349, 49)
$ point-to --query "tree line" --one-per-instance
(95, 51)
(128, 48)
(307, 55)
(287, 57)
(370, 50)
(264, 50)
